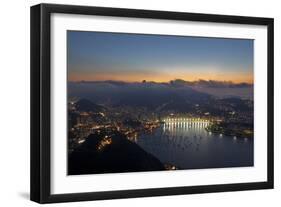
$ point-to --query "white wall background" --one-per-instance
(14, 101)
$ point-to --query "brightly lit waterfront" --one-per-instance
(170, 123)
(185, 143)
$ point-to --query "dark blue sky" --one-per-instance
(134, 57)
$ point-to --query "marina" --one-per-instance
(186, 144)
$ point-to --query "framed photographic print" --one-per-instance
(132, 103)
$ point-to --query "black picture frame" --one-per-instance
(41, 95)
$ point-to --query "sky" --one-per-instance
(99, 56)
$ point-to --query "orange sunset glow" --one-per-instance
(99, 56)
(131, 77)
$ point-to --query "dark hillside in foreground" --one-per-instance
(121, 155)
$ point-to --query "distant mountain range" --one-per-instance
(174, 94)
(87, 105)
(211, 83)
(177, 82)
(149, 95)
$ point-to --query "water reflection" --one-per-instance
(187, 145)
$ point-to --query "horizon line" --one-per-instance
(151, 81)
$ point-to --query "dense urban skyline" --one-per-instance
(99, 56)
